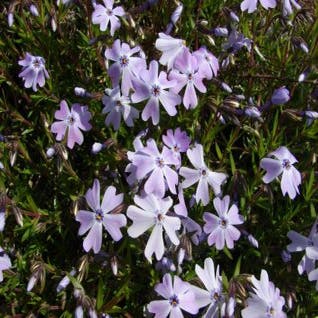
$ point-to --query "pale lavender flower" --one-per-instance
(117, 106)
(151, 212)
(79, 312)
(287, 7)
(280, 96)
(178, 142)
(208, 63)
(177, 296)
(154, 88)
(310, 116)
(72, 121)
(236, 41)
(181, 208)
(221, 228)
(313, 276)
(5, 263)
(291, 177)
(265, 301)
(251, 5)
(187, 73)
(101, 216)
(193, 228)
(126, 65)
(149, 161)
(302, 243)
(201, 174)
(212, 294)
(170, 47)
(104, 14)
(33, 71)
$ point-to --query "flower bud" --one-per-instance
(50, 152)
(252, 112)
(32, 281)
(79, 313)
(221, 32)
(10, 19)
(34, 10)
(280, 96)
(97, 147)
(234, 17)
(114, 265)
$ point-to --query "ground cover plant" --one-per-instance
(158, 158)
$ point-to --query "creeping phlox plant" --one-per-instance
(145, 173)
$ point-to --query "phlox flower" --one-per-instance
(280, 96)
(178, 142)
(212, 294)
(170, 47)
(187, 73)
(308, 244)
(265, 301)
(221, 228)
(151, 212)
(117, 106)
(127, 65)
(177, 296)
(291, 177)
(201, 174)
(103, 14)
(100, 216)
(251, 5)
(73, 121)
(208, 63)
(5, 263)
(236, 41)
(149, 161)
(33, 71)
(154, 88)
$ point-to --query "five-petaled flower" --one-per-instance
(212, 294)
(33, 71)
(291, 177)
(117, 106)
(221, 228)
(178, 296)
(151, 212)
(101, 216)
(251, 5)
(266, 300)
(74, 121)
(154, 88)
(201, 174)
(103, 14)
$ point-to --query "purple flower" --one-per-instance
(208, 63)
(149, 161)
(280, 96)
(236, 41)
(126, 65)
(251, 5)
(266, 300)
(178, 142)
(101, 216)
(291, 177)
(212, 294)
(5, 263)
(178, 296)
(187, 73)
(152, 87)
(117, 106)
(287, 7)
(73, 121)
(33, 71)
(221, 228)
(171, 49)
(151, 212)
(103, 14)
(201, 174)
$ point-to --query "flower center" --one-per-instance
(124, 61)
(155, 90)
(176, 148)
(109, 12)
(70, 120)
(160, 217)
(286, 164)
(174, 301)
(118, 103)
(36, 63)
(99, 215)
(223, 222)
(270, 312)
(160, 163)
(203, 172)
(190, 77)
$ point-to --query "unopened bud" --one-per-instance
(114, 265)
(97, 147)
(32, 281)
(176, 13)
(50, 152)
(234, 17)
(79, 313)
(10, 19)
(226, 87)
(221, 32)
(53, 24)
(34, 10)
(252, 112)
